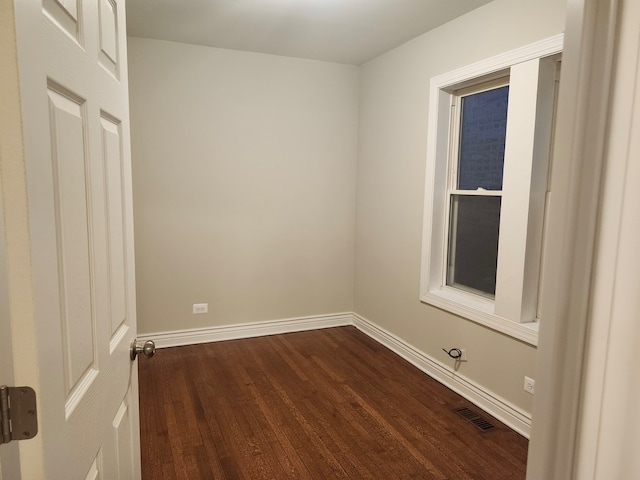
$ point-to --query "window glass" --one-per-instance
(483, 128)
(473, 243)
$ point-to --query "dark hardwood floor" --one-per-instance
(324, 404)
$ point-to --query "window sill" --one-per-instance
(481, 311)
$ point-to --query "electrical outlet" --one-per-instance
(529, 385)
(200, 308)
(463, 357)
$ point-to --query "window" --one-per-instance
(489, 140)
(474, 193)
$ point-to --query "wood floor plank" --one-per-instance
(323, 404)
(354, 428)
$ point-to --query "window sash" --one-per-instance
(452, 180)
(462, 272)
(456, 124)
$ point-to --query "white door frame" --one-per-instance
(609, 429)
(11, 157)
(9, 454)
(569, 281)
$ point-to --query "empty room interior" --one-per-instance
(313, 239)
(274, 193)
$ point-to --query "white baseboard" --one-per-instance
(507, 413)
(247, 330)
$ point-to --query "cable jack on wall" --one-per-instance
(454, 353)
(458, 354)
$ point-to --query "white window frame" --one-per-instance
(532, 76)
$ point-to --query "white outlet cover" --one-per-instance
(200, 308)
(529, 385)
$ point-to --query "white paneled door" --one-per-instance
(73, 284)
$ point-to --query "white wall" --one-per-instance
(390, 189)
(244, 185)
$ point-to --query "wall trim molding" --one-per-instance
(194, 336)
(509, 414)
(506, 412)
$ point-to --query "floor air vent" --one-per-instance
(478, 420)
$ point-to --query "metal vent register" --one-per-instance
(478, 420)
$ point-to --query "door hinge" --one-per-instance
(19, 418)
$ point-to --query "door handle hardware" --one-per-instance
(148, 349)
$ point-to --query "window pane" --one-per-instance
(473, 243)
(483, 128)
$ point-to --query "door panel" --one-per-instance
(109, 35)
(123, 437)
(68, 147)
(75, 117)
(115, 460)
(94, 472)
(112, 161)
(67, 15)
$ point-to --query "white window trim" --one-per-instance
(513, 312)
